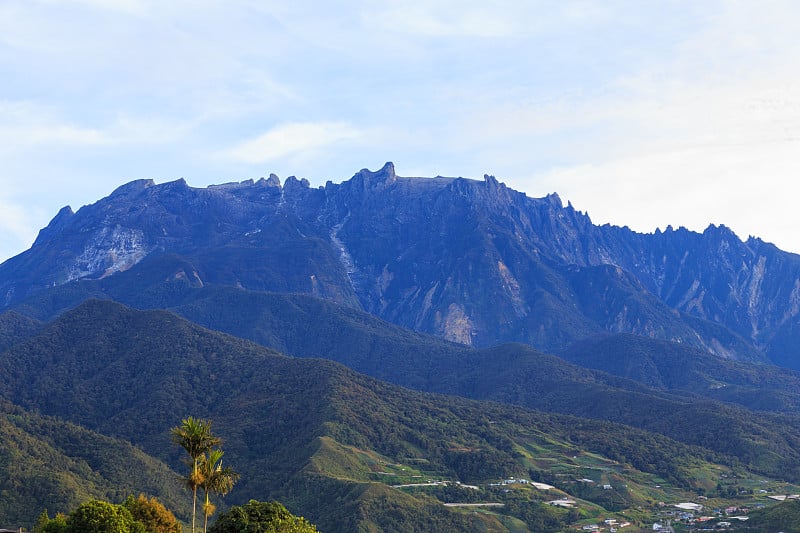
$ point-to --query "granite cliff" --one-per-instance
(471, 261)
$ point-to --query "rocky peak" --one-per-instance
(179, 185)
(386, 173)
(554, 200)
(721, 232)
(133, 188)
(293, 184)
(246, 184)
(273, 181)
(366, 179)
(55, 226)
(495, 188)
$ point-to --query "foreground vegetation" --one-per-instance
(134, 515)
(148, 515)
(261, 517)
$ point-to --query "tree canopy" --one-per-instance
(261, 517)
(152, 514)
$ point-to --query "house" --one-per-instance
(689, 506)
(564, 502)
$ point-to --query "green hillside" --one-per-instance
(784, 516)
(677, 367)
(347, 451)
(520, 375)
(52, 464)
(512, 373)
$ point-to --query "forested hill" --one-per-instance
(331, 442)
(470, 261)
(517, 374)
(46, 463)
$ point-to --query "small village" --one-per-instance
(687, 516)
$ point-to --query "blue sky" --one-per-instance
(642, 113)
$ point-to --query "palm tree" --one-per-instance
(216, 478)
(194, 436)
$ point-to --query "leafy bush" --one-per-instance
(152, 514)
(261, 517)
(136, 515)
(96, 516)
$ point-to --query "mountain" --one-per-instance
(511, 373)
(470, 261)
(334, 444)
(677, 367)
(518, 374)
(398, 355)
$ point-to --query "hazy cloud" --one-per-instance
(443, 19)
(293, 138)
(18, 227)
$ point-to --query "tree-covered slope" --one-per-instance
(48, 463)
(677, 367)
(520, 375)
(511, 373)
(782, 517)
(328, 441)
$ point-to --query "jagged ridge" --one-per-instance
(472, 261)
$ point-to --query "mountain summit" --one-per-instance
(474, 262)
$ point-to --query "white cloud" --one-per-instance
(17, 227)
(63, 134)
(23, 124)
(519, 22)
(443, 19)
(718, 149)
(26, 126)
(134, 7)
(751, 191)
(291, 139)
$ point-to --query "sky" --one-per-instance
(643, 114)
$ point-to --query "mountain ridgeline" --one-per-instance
(473, 262)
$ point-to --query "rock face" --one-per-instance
(472, 261)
